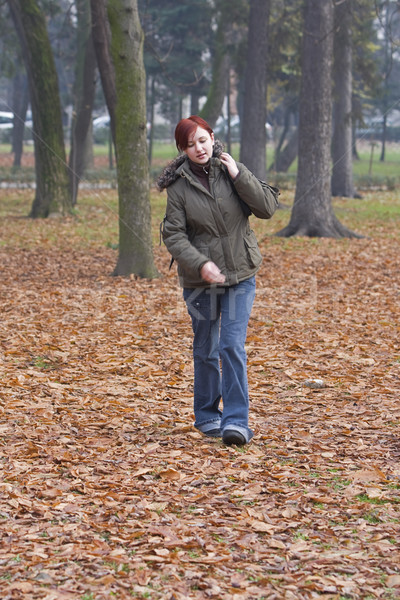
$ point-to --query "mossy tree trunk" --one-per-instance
(52, 182)
(84, 88)
(135, 239)
(312, 213)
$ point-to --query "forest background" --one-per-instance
(260, 72)
(107, 491)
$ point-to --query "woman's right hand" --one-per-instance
(230, 164)
(211, 273)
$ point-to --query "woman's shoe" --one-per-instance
(213, 432)
(231, 436)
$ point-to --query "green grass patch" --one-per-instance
(369, 171)
(371, 518)
(95, 222)
(366, 498)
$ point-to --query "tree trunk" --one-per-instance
(135, 237)
(342, 155)
(386, 78)
(253, 133)
(285, 130)
(20, 107)
(152, 97)
(312, 214)
(212, 109)
(194, 103)
(52, 185)
(81, 131)
(101, 41)
(384, 134)
(286, 157)
(356, 119)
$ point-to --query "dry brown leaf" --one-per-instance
(107, 489)
(393, 581)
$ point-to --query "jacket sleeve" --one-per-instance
(176, 238)
(260, 197)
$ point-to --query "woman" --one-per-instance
(207, 232)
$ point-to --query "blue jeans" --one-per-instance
(219, 321)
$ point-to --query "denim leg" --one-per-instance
(236, 305)
(203, 308)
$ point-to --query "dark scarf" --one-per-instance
(201, 172)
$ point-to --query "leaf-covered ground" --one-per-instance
(107, 491)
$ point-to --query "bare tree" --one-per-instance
(287, 155)
(253, 132)
(20, 107)
(81, 139)
(342, 139)
(220, 66)
(312, 214)
(101, 40)
(52, 184)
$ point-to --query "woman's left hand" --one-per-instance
(230, 164)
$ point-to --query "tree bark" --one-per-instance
(20, 107)
(253, 132)
(52, 184)
(312, 213)
(286, 156)
(84, 89)
(388, 62)
(285, 130)
(135, 238)
(212, 109)
(342, 154)
(101, 41)
(151, 95)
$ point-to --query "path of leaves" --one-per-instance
(107, 491)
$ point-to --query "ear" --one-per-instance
(212, 137)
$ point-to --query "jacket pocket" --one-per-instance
(252, 250)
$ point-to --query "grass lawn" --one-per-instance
(95, 218)
(369, 163)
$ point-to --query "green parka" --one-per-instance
(200, 226)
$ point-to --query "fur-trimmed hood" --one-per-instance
(169, 173)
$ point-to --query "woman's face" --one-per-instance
(200, 146)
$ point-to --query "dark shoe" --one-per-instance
(231, 436)
(213, 433)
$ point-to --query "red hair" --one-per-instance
(186, 128)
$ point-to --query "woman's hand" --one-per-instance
(211, 273)
(230, 164)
